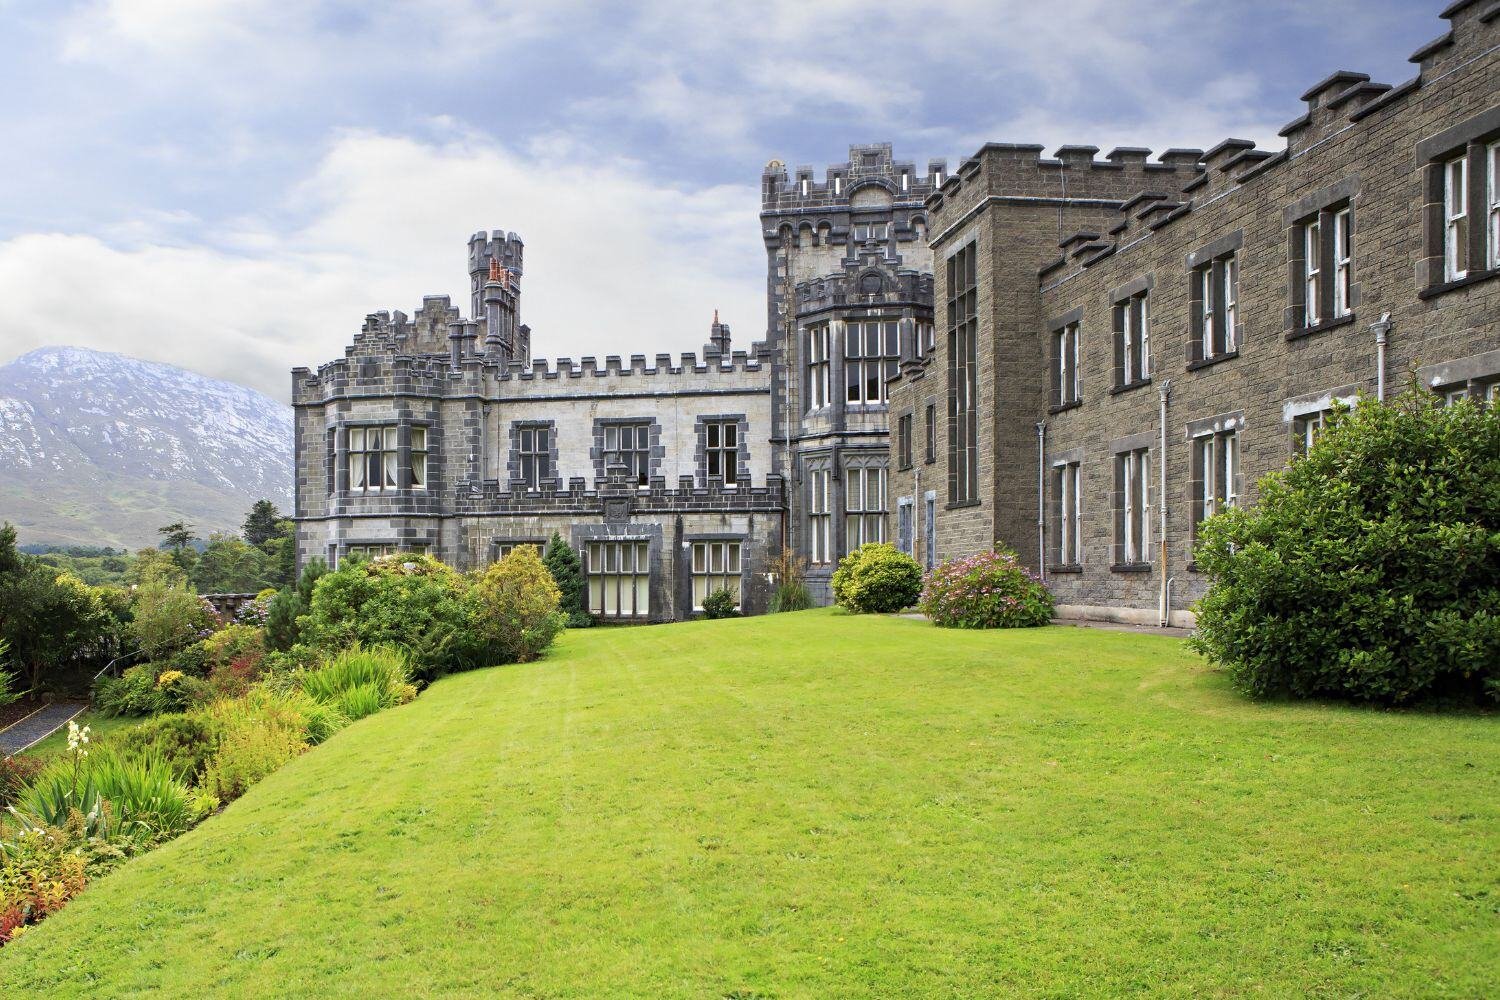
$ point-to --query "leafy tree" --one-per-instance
(1370, 568)
(167, 616)
(154, 564)
(567, 571)
(516, 607)
(48, 618)
(261, 524)
(177, 535)
(228, 565)
(282, 548)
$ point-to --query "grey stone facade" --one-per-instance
(487, 411)
(1074, 238)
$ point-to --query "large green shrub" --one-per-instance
(567, 572)
(721, 603)
(1370, 568)
(289, 604)
(987, 590)
(167, 616)
(877, 578)
(183, 742)
(516, 607)
(134, 692)
(407, 600)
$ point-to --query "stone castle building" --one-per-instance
(1077, 357)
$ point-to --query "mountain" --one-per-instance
(102, 449)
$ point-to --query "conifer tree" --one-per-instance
(562, 562)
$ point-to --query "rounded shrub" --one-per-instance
(1370, 568)
(518, 607)
(720, 604)
(987, 590)
(877, 578)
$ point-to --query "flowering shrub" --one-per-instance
(877, 578)
(38, 874)
(988, 590)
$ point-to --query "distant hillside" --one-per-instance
(102, 449)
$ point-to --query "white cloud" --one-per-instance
(617, 261)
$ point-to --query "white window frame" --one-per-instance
(1305, 429)
(1137, 484)
(1070, 514)
(819, 518)
(1312, 272)
(864, 505)
(881, 364)
(1343, 262)
(1145, 298)
(819, 367)
(534, 453)
(604, 567)
(1492, 185)
(716, 565)
(418, 457)
(358, 452)
(1231, 302)
(721, 440)
(1456, 218)
(1069, 345)
(637, 454)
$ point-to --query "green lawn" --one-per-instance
(816, 805)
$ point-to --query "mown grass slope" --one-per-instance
(822, 805)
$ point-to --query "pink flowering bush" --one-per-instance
(988, 590)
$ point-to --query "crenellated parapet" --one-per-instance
(576, 496)
(1339, 101)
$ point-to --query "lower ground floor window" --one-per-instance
(716, 566)
(619, 578)
(505, 548)
(375, 550)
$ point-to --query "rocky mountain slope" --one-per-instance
(99, 448)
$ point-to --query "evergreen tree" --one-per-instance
(289, 604)
(176, 535)
(562, 562)
(230, 566)
(262, 523)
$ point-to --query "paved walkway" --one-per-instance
(38, 726)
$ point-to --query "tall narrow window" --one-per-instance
(629, 445)
(1216, 471)
(903, 440)
(619, 576)
(1305, 431)
(1067, 375)
(871, 355)
(963, 379)
(1133, 486)
(1068, 514)
(905, 538)
(1132, 322)
(817, 367)
(533, 447)
(1215, 307)
(1492, 186)
(716, 566)
(1456, 219)
(721, 450)
(929, 531)
(864, 506)
(419, 458)
(819, 518)
(1343, 262)
(931, 428)
(1312, 271)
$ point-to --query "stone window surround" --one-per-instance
(513, 463)
(658, 451)
(1209, 255)
(1054, 327)
(1471, 372)
(1433, 153)
(651, 534)
(1319, 402)
(493, 548)
(1119, 297)
(719, 536)
(1119, 447)
(403, 423)
(1056, 462)
(1323, 204)
(962, 422)
(741, 443)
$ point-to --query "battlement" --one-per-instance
(505, 247)
(1335, 103)
(868, 167)
(1074, 172)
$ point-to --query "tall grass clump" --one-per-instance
(791, 592)
(361, 680)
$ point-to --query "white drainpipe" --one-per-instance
(1041, 499)
(1161, 508)
(1381, 330)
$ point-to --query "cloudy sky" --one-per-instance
(230, 185)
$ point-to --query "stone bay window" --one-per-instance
(716, 566)
(619, 578)
(871, 355)
(864, 505)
